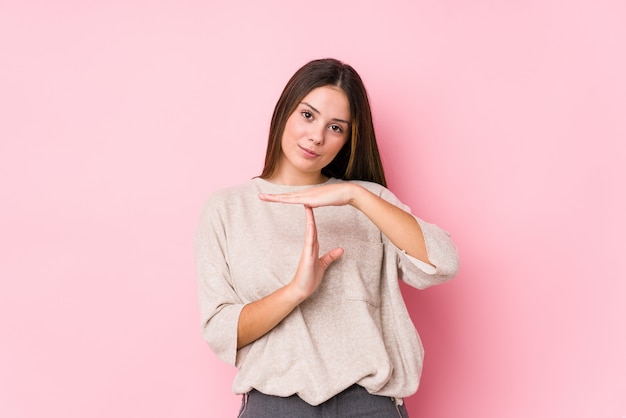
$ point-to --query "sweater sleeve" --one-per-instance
(441, 250)
(220, 305)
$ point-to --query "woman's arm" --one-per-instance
(398, 225)
(259, 317)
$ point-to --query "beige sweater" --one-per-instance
(355, 327)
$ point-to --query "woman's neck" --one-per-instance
(302, 179)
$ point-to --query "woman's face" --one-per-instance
(314, 133)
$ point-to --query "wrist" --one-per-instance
(293, 294)
(356, 195)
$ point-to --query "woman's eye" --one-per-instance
(336, 128)
(307, 114)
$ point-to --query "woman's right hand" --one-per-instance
(311, 267)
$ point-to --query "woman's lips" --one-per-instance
(308, 153)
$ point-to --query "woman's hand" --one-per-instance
(311, 267)
(314, 197)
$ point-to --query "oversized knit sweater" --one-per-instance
(353, 329)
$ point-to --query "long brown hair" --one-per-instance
(359, 158)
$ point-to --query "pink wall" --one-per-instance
(501, 121)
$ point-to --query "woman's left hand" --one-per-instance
(327, 195)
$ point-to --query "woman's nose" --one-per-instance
(316, 135)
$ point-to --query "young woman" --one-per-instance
(299, 267)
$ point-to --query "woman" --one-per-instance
(320, 328)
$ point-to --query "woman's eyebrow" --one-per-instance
(318, 112)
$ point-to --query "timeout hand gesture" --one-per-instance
(311, 267)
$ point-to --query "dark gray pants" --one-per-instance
(354, 402)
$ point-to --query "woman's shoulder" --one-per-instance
(230, 193)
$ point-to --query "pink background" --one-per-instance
(503, 122)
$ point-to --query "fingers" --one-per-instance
(328, 195)
(327, 259)
(308, 197)
(311, 244)
(268, 197)
(312, 267)
(281, 198)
